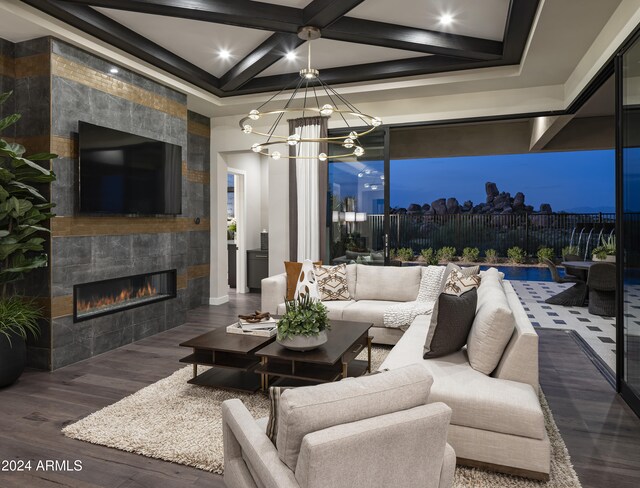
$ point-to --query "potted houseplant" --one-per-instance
(304, 324)
(23, 213)
(606, 251)
(232, 226)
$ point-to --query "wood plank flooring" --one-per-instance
(602, 434)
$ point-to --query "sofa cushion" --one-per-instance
(367, 311)
(332, 282)
(309, 409)
(451, 321)
(457, 283)
(492, 328)
(398, 284)
(352, 273)
(477, 400)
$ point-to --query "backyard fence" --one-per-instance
(499, 232)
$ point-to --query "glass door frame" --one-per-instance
(630, 397)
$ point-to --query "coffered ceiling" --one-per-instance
(362, 40)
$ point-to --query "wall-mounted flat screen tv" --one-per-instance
(122, 173)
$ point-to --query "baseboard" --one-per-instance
(218, 300)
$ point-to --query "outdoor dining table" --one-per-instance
(578, 293)
(579, 264)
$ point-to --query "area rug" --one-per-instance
(181, 423)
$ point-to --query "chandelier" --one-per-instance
(304, 102)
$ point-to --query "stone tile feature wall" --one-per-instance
(78, 86)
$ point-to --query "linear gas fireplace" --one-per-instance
(98, 298)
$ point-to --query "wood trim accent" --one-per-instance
(90, 77)
(97, 226)
(7, 67)
(198, 271)
(181, 281)
(198, 129)
(525, 473)
(34, 144)
(61, 306)
(64, 147)
(194, 175)
(36, 65)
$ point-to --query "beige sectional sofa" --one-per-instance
(497, 421)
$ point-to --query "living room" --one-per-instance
(175, 169)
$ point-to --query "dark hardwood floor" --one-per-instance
(601, 432)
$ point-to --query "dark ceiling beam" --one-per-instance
(520, 19)
(370, 71)
(323, 13)
(319, 13)
(241, 13)
(374, 33)
(110, 31)
(267, 53)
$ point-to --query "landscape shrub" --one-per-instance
(491, 256)
(405, 254)
(470, 254)
(429, 256)
(546, 253)
(446, 253)
(516, 255)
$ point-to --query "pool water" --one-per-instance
(523, 273)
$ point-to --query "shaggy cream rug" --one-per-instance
(181, 423)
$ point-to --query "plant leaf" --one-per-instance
(5, 96)
(19, 161)
(9, 120)
(41, 156)
(27, 188)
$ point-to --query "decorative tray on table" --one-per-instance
(257, 324)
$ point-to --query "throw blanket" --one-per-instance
(401, 315)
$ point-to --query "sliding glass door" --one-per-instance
(356, 204)
(628, 71)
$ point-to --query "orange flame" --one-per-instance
(96, 303)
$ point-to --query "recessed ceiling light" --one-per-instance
(291, 55)
(113, 71)
(446, 19)
(224, 54)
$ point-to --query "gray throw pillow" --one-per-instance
(451, 322)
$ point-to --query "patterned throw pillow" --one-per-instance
(457, 283)
(332, 282)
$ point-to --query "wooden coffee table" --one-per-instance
(334, 360)
(231, 357)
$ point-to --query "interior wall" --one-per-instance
(58, 86)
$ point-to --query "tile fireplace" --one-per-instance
(91, 300)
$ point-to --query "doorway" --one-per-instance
(236, 230)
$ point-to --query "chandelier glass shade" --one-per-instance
(311, 97)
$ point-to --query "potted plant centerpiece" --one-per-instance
(23, 213)
(606, 251)
(304, 324)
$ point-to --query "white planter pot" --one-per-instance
(608, 259)
(304, 343)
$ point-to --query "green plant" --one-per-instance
(446, 253)
(606, 248)
(545, 253)
(516, 254)
(491, 256)
(428, 256)
(405, 254)
(19, 316)
(470, 254)
(303, 316)
(567, 250)
(23, 209)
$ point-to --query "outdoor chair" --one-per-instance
(574, 296)
(579, 273)
(602, 289)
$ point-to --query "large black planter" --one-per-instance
(13, 359)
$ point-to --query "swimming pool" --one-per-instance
(524, 273)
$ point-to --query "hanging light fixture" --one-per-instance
(305, 102)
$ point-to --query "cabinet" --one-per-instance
(257, 268)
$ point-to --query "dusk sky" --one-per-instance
(580, 181)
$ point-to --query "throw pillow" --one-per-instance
(471, 270)
(451, 322)
(457, 283)
(274, 408)
(293, 269)
(430, 283)
(332, 282)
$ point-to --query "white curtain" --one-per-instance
(308, 198)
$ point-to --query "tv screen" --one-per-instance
(122, 173)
